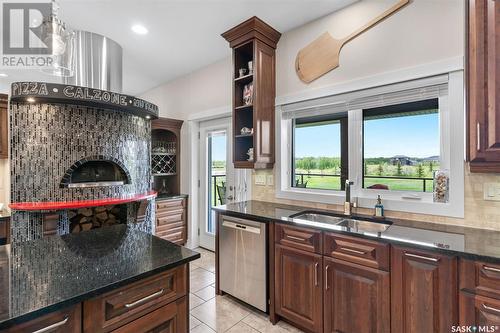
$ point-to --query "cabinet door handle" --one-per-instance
(352, 250)
(316, 274)
(144, 299)
(327, 268)
(51, 327)
(478, 132)
(295, 238)
(490, 308)
(421, 257)
(491, 269)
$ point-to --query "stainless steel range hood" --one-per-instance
(98, 62)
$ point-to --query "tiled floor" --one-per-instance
(209, 313)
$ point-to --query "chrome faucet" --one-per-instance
(348, 205)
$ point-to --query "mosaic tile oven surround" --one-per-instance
(47, 139)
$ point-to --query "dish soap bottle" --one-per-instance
(379, 208)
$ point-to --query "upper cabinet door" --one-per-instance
(4, 127)
(483, 73)
(423, 291)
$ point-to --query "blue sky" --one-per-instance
(219, 148)
(414, 136)
(318, 141)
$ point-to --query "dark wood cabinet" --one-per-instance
(423, 291)
(156, 302)
(68, 320)
(476, 310)
(298, 287)
(479, 298)
(171, 318)
(356, 298)
(166, 155)
(299, 238)
(4, 127)
(483, 83)
(254, 92)
(171, 220)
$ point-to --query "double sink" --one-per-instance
(351, 224)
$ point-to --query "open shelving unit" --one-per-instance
(165, 154)
(253, 41)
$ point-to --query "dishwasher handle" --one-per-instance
(241, 227)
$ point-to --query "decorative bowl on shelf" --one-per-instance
(246, 131)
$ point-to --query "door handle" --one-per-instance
(144, 299)
(352, 250)
(316, 274)
(491, 269)
(241, 227)
(53, 326)
(421, 257)
(230, 197)
(326, 276)
(491, 308)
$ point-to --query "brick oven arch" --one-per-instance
(124, 174)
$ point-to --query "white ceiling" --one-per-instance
(184, 35)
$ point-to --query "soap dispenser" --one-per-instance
(379, 208)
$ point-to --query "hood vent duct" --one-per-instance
(98, 62)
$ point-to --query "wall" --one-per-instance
(423, 32)
(205, 89)
(426, 32)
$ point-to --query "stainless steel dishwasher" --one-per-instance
(242, 260)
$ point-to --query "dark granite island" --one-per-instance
(115, 279)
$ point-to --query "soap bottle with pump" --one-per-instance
(379, 208)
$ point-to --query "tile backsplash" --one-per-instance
(4, 181)
(479, 213)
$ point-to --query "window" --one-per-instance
(320, 152)
(401, 146)
(388, 140)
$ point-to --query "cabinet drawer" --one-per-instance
(361, 251)
(480, 278)
(121, 306)
(170, 217)
(299, 238)
(478, 310)
(173, 235)
(68, 320)
(170, 204)
(171, 318)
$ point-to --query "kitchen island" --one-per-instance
(114, 278)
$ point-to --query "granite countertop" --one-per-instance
(170, 196)
(472, 243)
(44, 275)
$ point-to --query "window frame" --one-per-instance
(451, 158)
(344, 151)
